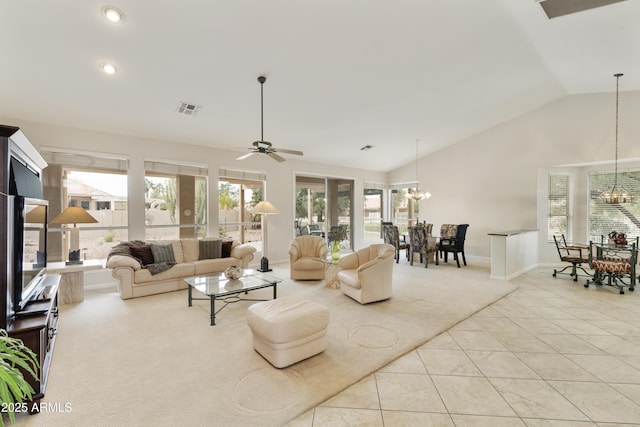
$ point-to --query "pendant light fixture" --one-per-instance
(417, 194)
(617, 194)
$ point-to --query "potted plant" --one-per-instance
(14, 388)
(337, 234)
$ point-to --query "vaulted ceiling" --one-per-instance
(340, 74)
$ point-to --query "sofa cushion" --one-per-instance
(115, 261)
(349, 277)
(226, 248)
(143, 253)
(178, 271)
(307, 263)
(163, 253)
(210, 249)
(177, 248)
(190, 250)
(210, 266)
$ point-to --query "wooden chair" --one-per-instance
(574, 254)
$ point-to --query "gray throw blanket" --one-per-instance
(124, 249)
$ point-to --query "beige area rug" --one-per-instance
(155, 361)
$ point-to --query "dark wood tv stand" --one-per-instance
(36, 325)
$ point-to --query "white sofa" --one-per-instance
(136, 281)
(366, 275)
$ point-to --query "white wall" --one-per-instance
(492, 180)
(280, 176)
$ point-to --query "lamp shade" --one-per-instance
(264, 207)
(36, 215)
(74, 215)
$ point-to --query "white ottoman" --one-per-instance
(288, 330)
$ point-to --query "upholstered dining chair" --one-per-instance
(382, 225)
(614, 265)
(421, 241)
(454, 245)
(392, 237)
(575, 255)
(303, 252)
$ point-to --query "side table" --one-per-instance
(331, 269)
(72, 279)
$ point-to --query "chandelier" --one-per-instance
(416, 194)
(617, 194)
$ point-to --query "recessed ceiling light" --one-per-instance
(113, 14)
(108, 68)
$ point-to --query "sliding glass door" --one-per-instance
(324, 207)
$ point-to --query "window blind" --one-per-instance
(403, 185)
(605, 218)
(86, 160)
(241, 175)
(175, 168)
(558, 206)
(374, 185)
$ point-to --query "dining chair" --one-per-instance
(392, 237)
(614, 265)
(574, 254)
(382, 225)
(454, 245)
(421, 241)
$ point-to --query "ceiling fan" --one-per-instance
(262, 146)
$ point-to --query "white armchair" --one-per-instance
(302, 251)
(366, 274)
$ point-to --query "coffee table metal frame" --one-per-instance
(218, 288)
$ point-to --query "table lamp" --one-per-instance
(74, 215)
(264, 208)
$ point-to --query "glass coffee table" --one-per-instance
(217, 287)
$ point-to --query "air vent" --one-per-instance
(188, 109)
(555, 8)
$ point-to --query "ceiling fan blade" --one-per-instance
(275, 156)
(245, 156)
(296, 152)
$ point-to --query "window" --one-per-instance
(404, 211)
(311, 204)
(238, 192)
(175, 200)
(324, 205)
(558, 213)
(97, 183)
(372, 215)
(605, 218)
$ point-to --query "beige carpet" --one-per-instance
(155, 361)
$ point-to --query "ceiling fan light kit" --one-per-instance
(262, 146)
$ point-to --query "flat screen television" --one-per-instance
(30, 248)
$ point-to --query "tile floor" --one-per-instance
(551, 353)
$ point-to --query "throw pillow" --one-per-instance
(226, 248)
(143, 253)
(210, 249)
(163, 253)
